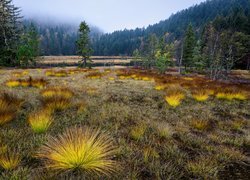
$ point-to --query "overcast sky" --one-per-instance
(109, 15)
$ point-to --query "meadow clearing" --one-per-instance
(121, 124)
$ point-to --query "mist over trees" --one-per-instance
(59, 38)
(213, 36)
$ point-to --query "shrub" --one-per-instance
(40, 121)
(81, 149)
(9, 160)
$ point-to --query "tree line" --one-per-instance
(23, 41)
(228, 18)
(223, 44)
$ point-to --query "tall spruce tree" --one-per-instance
(10, 29)
(188, 48)
(83, 43)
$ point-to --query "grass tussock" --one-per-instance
(200, 125)
(20, 74)
(38, 83)
(9, 105)
(150, 154)
(56, 103)
(12, 83)
(30, 82)
(174, 99)
(203, 167)
(232, 94)
(82, 149)
(9, 160)
(164, 130)
(57, 92)
(200, 95)
(138, 131)
(160, 87)
(40, 121)
(59, 73)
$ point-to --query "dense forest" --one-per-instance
(214, 34)
(59, 39)
(126, 41)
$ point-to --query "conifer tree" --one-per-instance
(83, 43)
(10, 29)
(188, 48)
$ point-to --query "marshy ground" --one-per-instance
(162, 127)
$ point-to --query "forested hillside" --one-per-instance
(126, 41)
(59, 39)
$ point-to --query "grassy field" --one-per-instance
(74, 60)
(121, 124)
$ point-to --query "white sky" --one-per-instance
(108, 15)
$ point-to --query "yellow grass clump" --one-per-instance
(12, 83)
(50, 73)
(160, 87)
(57, 92)
(175, 99)
(9, 160)
(61, 73)
(40, 121)
(200, 95)
(138, 132)
(39, 83)
(111, 78)
(56, 103)
(230, 95)
(200, 125)
(91, 91)
(81, 149)
(20, 74)
(25, 83)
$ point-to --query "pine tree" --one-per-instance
(9, 32)
(83, 43)
(188, 48)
